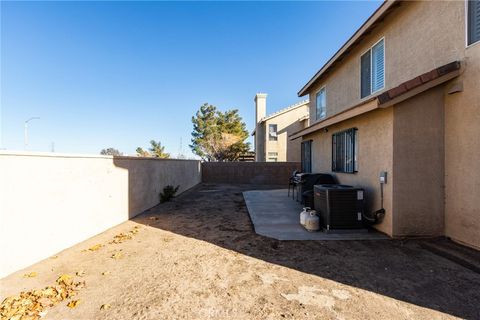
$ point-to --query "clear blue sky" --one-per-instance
(118, 74)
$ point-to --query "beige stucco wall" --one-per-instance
(375, 150)
(51, 202)
(418, 165)
(419, 36)
(462, 154)
(287, 123)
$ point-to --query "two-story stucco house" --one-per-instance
(402, 96)
(272, 131)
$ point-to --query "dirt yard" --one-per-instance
(199, 258)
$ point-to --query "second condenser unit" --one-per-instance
(339, 206)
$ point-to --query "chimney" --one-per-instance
(260, 106)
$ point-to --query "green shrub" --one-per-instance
(168, 193)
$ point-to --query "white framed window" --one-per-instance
(473, 21)
(272, 132)
(273, 156)
(372, 69)
(321, 104)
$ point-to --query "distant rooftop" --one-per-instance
(286, 109)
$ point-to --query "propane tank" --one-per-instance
(312, 221)
(304, 215)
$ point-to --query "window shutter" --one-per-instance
(365, 75)
(378, 66)
(473, 21)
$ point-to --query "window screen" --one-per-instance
(473, 21)
(345, 151)
(306, 156)
(365, 70)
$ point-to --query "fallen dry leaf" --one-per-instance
(65, 279)
(80, 273)
(105, 306)
(32, 304)
(45, 302)
(73, 304)
(121, 237)
(30, 275)
(95, 247)
(117, 255)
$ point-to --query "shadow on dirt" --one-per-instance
(398, 269)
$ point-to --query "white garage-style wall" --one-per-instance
(49, 202)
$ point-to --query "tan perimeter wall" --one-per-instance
(375, 136)
(462, 154)
(265, 173)
(51, 202)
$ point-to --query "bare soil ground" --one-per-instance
(198, 257)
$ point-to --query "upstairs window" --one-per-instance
(321, 104)
(345, 151)
(372, 69)
(272, 132)
(473, 21)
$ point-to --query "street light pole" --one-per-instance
(25, 142)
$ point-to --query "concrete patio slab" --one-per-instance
(275, 215)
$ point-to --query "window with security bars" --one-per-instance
(473, 21)
(345, 151)
(372, 69)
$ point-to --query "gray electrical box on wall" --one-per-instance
(383, 177)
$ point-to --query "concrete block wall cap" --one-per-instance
(82, 156)
(52, 154)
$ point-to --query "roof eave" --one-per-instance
(378, 14)
(389, 97)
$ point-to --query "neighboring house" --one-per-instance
(402, 96)
(271, 132)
